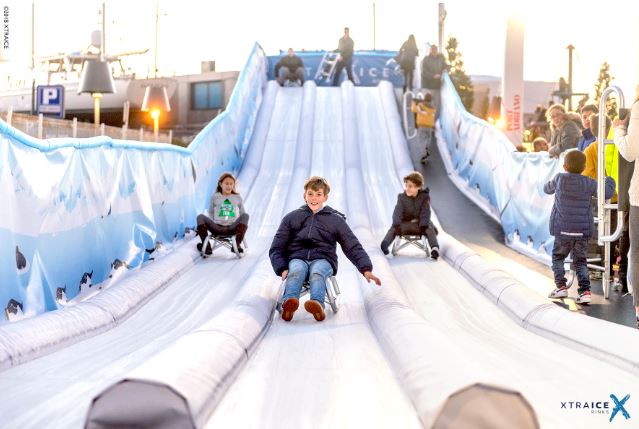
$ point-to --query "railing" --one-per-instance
(604, 210)
(46, 128)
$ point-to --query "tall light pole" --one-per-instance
(156, 98)
(33, 57)
(442, 18)
(374, 28)
(155, 59)
(570, 49)
(96, 77)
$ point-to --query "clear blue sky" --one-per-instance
(224, 31)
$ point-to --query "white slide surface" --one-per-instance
(361, 367)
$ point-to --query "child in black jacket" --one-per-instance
(412, 215)
(305, 246)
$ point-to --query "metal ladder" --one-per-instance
(326, 68)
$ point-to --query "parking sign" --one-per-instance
(50, 100)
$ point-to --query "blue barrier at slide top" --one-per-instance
(369, 67)
(78, 212)
(507, 184)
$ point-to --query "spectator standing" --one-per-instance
(587, 137)
(564, 132)
(433, 65)
(406, 59)
(627, 141)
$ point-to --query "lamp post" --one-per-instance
(96, 80)
(96, 77)
(156, 99)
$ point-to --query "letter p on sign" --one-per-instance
(49, 94)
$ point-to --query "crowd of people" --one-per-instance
(576, 136)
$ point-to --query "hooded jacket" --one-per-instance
(309, 236)
(571, 215)
(409, 208)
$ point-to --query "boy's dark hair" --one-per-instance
(575, 161)
(223, 177)
(316, 183)
(589, 108)
(416, 178)
(594, 125)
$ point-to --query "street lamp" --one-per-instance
(96, 79)
(156, 100)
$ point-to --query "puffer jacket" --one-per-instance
(305, 235)
(571, 215)
(409, 208)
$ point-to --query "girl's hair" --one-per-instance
(411, 42)
(222, 178)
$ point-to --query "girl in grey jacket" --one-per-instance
(226, 215)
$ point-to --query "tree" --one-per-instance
(603, 82)
(458, 76)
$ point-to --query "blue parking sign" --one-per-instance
(50, 100)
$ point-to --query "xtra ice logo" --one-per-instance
(619, 407)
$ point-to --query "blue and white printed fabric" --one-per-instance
(79, 213)
(507, 184)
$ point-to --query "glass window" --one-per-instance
(207, 95)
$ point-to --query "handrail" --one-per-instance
(601, 168)
(405, 114)
(603, 209)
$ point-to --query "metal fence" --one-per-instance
(46, 128)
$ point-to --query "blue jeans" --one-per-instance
(560, 250)
(317, 271)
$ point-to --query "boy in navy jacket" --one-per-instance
(571, 222)
(412, 215)
(305, 246)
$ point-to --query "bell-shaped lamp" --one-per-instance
(156, 101)
(96, 79)
(155, 98)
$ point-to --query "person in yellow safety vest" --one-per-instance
(592, 155)
(424, 112)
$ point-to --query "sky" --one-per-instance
(192, 31)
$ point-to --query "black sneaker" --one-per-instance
(434, 253)
(384, 249)
(209, 251)
(637, 322)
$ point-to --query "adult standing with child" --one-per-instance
(627, 141)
